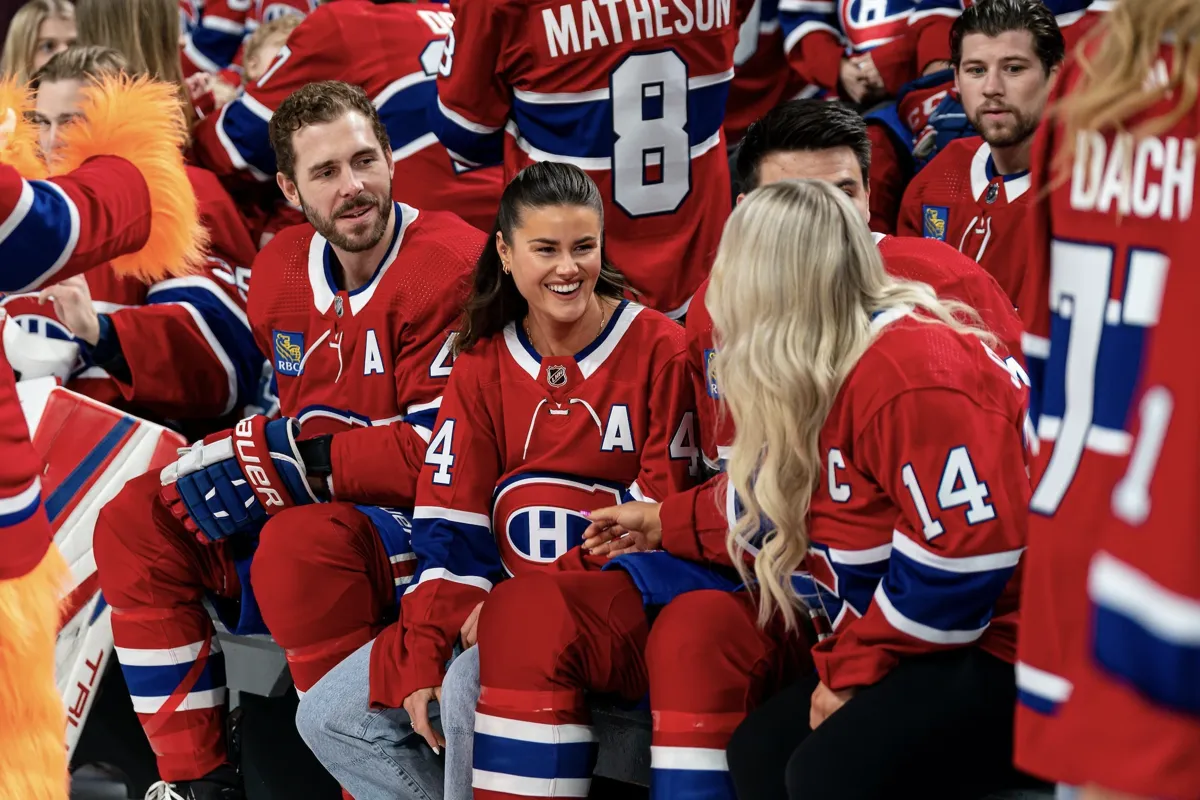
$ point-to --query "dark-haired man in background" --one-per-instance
(975, 194)
(353, 311)
(828, 141)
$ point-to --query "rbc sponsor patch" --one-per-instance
(289, 352)
(936, 219)
(710, 379)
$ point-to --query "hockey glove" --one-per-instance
(231, 485)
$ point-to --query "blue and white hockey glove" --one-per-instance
(232, 484)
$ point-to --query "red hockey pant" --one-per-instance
(546, 639)
(321, 579)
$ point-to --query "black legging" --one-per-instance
(937, 726)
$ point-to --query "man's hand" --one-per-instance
(417, 706)
(73, 306)
(470, 628)
(861, 78)
(626, 528)
(824, 702)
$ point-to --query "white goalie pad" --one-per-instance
(90, 451)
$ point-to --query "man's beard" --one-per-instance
(1021, 128)
(364, 235)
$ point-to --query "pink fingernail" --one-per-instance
(587, 514)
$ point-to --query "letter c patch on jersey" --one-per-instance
(936, 219)
(710, 378)
(289, 352)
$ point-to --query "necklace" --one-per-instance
(600, 330)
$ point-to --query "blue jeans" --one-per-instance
(374, 754)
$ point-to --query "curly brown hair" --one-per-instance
(316, 103)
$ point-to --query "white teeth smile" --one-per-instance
(564, 288)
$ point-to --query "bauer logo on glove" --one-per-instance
(230, 484)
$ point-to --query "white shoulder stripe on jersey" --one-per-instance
(463, 122)
(918, 630)
(443, 574)
(596, 95)
(415, 146)
(452, 515)
(811, 6)
(223, 25)
(73, 238)
(804, 29)
(529, 787)
(256, 108)
(22, 499)
(399, 85)
(1167, 615)
(199, 59)
(871, 555)
(205, 284)
(962, 565)
(19, 212)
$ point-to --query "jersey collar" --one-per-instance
(590, 358)
(983, 170)
(320, 273)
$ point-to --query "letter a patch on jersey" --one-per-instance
(289, 352)
(936, 219)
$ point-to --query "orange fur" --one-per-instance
(139, 119)
(19, 148)
(33, 723)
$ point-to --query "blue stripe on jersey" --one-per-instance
(1038, 703)
(232, 334)
(62, 495)
(217, 46)
(101, 604)
(941, 599)
(422, 419)
(393, 526)
(43, 234)
(534, 759)
(15, 516)
(476, 147)
(585, 130)
(249, 135)
(1164, 671)
(458, 547)
(799, 18)
(693, 784)
(161, 681)
(406, 113)
(855, 582)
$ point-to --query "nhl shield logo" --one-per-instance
(556, 375)
(993, 191)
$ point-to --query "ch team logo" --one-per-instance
(289, 352)
(710, 377)
(936, 218)
(542, 534)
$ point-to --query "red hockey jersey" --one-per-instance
(947, 272)
(392, 52)
(634, 93)
(960, 199)
(51, 230)
(1111, 252)
(186, 341)
(917, 531)
(523, 444)
(902, 36)
(369, 365)
(214, 32)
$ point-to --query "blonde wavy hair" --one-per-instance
(796, 283)
(1115, 84)
(20, 44)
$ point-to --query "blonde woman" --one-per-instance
(879, 446)
(39, 30)
(146, 32)
(1114, 546)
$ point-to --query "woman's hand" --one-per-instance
(470, 628)
(626, 528)
(73, 306)
(824, 702)
(417, 706)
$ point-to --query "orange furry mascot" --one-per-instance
(118, 193)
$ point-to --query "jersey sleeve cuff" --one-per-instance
(678, 517)
(848, 667)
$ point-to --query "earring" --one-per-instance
(504, 266)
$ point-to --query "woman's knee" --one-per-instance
(335, 706)
(530, 610)
(695, 626)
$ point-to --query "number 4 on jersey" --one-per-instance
(440, 453)
(959, 487)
